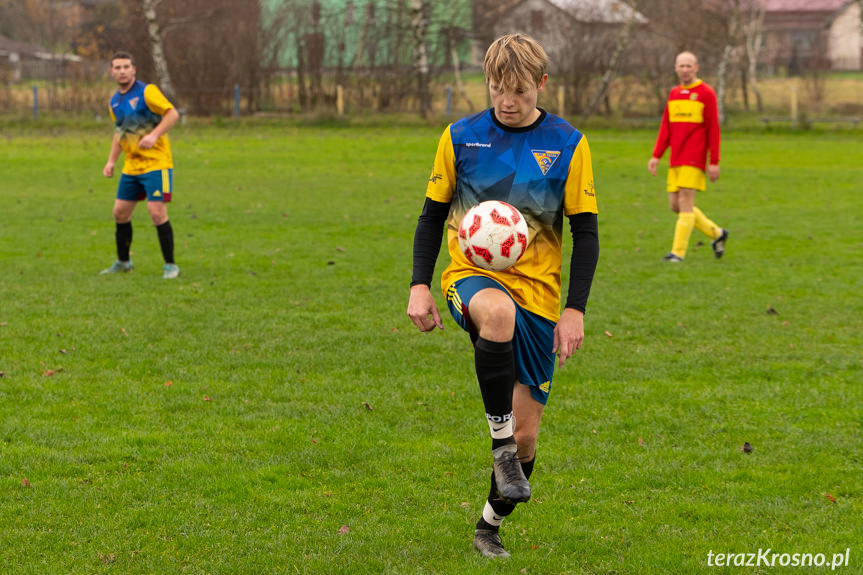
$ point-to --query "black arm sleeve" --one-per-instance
(585, 254)
(427, 239)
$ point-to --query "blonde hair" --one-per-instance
(515, 61)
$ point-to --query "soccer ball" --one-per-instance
(493, 235)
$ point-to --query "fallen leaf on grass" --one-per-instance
(2, 374)
(608, 333)
(771, 310)
(207, 398)
(640, 441)
(747, 447)
(123, 331)
(344, 529)
(169, 383)
(827, 495)
(107, 558)
(47, 372)
(25, 483)
(367, 406)
(464, 504)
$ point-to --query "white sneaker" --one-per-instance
(170, 271)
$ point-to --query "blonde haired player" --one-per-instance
(520, 154)
(690, 126)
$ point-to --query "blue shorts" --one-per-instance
(532, 343)
(155, 186)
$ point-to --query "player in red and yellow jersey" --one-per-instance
(690, 126)
(142, 116)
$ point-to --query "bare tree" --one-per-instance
(753, 33)
(611, 70)
(727, 56)
(419, 25)
(159, 60)
(454, 34)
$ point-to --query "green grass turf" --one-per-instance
(309, 428)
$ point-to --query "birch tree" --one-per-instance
(419, 25)
(167, 87)
(753, 33)
(727, 54)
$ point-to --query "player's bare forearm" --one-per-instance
(423, 310)
(113, 156)
(568, 334)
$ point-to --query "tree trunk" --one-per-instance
(302, 94)
(601, 92)
(456, 63)
(456, 66)
(167, 87)
(419, 25)
(753, 33)
(727, 52)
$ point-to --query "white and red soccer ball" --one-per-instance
(493, 235)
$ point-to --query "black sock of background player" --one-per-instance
(123, 236)
(166, 241)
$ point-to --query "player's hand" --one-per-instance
(108, 170)
(713, 172)
(147, 141)
(422, 309)
(568, 334)
(651, 166)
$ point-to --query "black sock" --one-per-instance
(499, 505)
(495, 371)
(483, 524)
(166, 241)
(123, 236)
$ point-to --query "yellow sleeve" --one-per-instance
(156, 101)
(579, 195)
(441, 186)
(113, 117)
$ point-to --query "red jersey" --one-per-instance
(690, 125)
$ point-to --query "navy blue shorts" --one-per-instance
(532, 343)
(155, 186)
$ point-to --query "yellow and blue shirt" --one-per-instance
(135, 114)
(544, 170)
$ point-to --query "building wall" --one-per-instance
(846, 39)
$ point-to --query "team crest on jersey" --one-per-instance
(133, 102)
(545, 386)
(693, 96)
(545, 159)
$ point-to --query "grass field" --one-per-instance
(274, 411)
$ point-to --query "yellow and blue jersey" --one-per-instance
(135, 114)
(544, 170)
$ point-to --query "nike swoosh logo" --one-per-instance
(497, 428)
